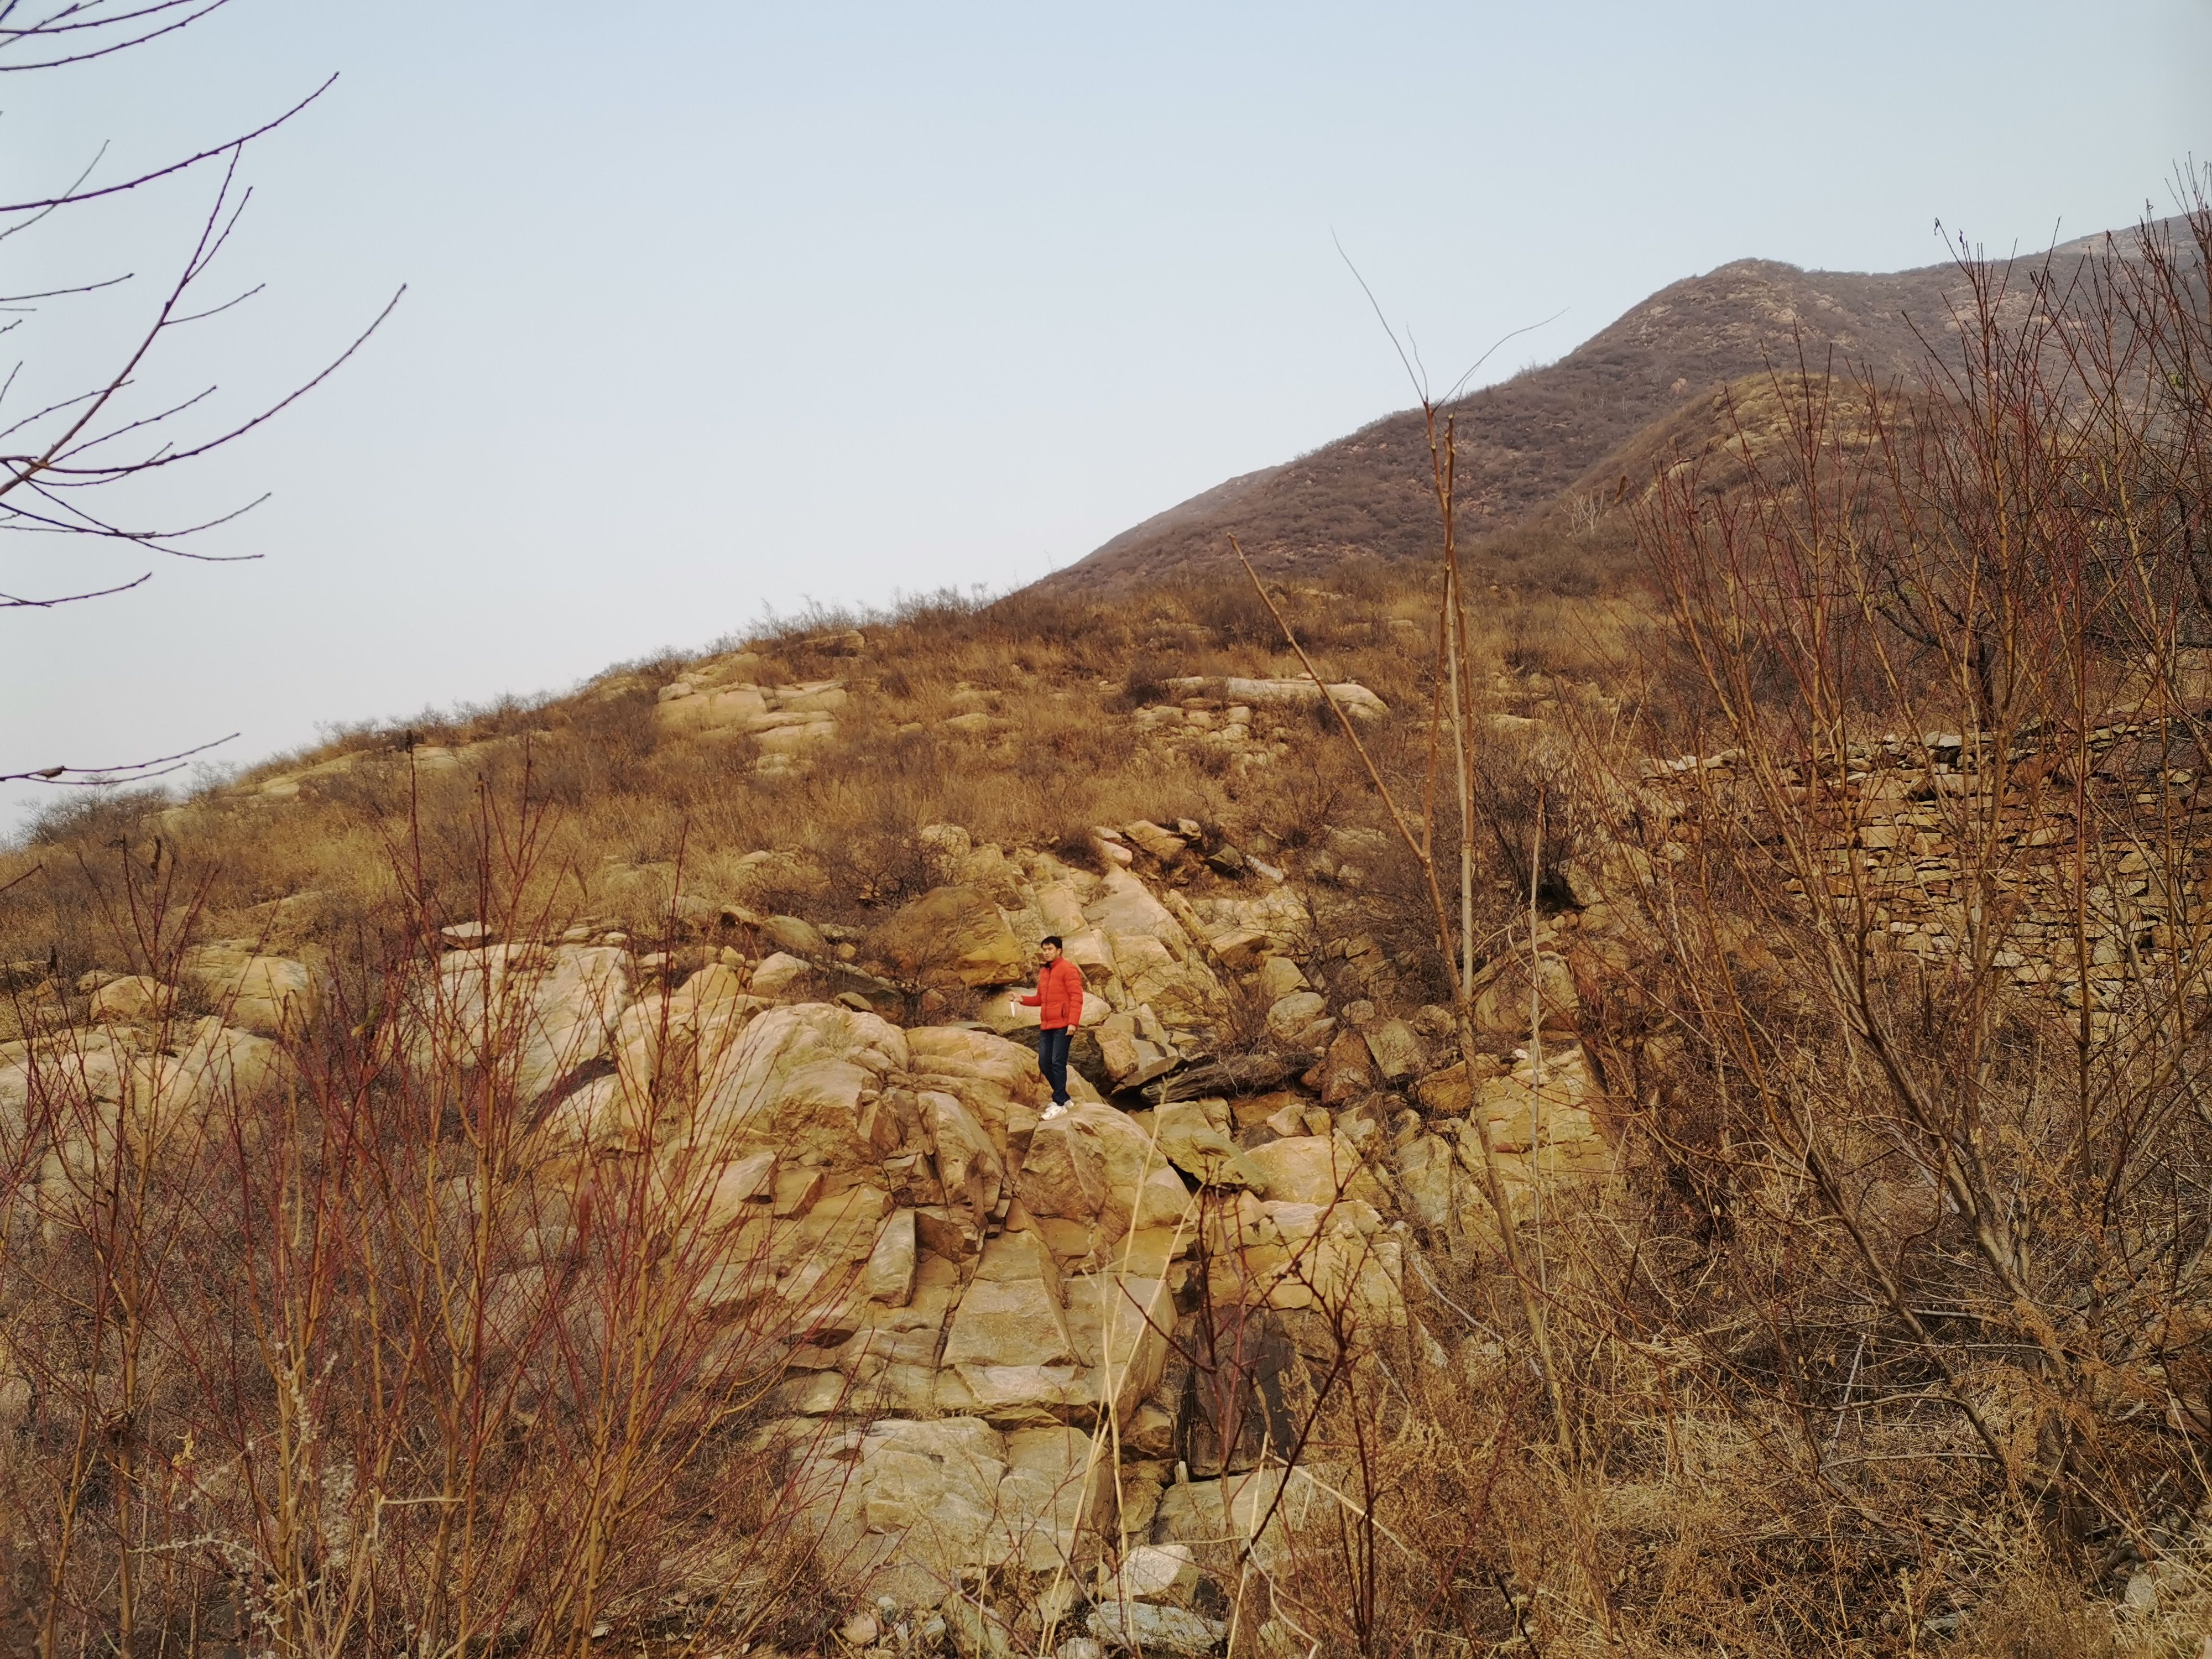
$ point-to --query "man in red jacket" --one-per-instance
(1058, 1003)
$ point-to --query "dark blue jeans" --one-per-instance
(1052, 1060)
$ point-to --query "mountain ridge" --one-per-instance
(1526, 440)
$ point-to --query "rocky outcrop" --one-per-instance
(983, 1318)
(714, 701)
(271, 996)
(954, 930)
(913, 1508)
(1354, 699)
(71, 1102)
(545, 1010)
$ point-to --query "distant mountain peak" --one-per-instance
(1526, 440)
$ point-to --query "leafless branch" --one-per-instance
(128, 772)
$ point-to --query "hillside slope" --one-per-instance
(1528, 439)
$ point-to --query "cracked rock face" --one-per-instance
(980, 1304)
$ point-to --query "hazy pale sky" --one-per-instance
(713, 308)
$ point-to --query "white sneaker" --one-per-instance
(1052, 1112)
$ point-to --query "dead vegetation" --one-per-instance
(1884, 1332)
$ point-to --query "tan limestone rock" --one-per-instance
(1121, 1320)
(1182, 990)
(1162, 844)
(172, 1095)
(1126, 905)
(958, 929)
(1347, 1070)
(269, 996)
(726, 709)
(1008, 1353)
(1312, 1170)
(736, 1189)
(780, 975)
(1279, 977)
(1291, 1018)
(1399, 1053)
(1424, 1168)
(1093, 1165)
(798, 1081)
(1199, 1148)
(1354, 699)
(904, 1507)
(889, 1276)
(1504, 1004)
(970, 1167)
(552, 1009)
(796, 936)
(1447, 1093)
(131, 998)
(1057, 1490)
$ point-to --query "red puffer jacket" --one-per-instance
(1059, 999)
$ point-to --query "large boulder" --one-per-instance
(1025, 1347)
(131, 999)
(1208, 1515)
(908, 1510)
(545, 1010)
(970, 1167)
(1122, 1317)
(1201, 1148)
(667, 1048)
(1540, 1126)
(216, 1064)
(1505, 998)
(1181, 989)
(730, 707)
(270, 996)
(1126, 905)
(1295, 1018)
(1304, 692)
(77, 1091)
(1093, 1166)
(1347, 1070)
(1312, 1170)
(1338, 1257)
(799, 1079)
(1011, 1315)
(1425, 1179)
(956, 930)
(796, 935)
(997, 1078)
(904, 1507)
(1399, 1053)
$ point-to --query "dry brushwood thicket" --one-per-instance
(1659, 1121)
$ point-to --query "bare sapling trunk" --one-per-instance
(1456, 945)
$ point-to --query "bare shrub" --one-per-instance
(325, 1352)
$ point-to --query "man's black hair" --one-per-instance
(1052, 939)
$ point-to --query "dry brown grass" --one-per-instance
(1766, 1390)
(628, 806)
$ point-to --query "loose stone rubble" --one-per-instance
(1914, 828)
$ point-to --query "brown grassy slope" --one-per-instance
(1533, 445)
(1012, 720)
(635, 809)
